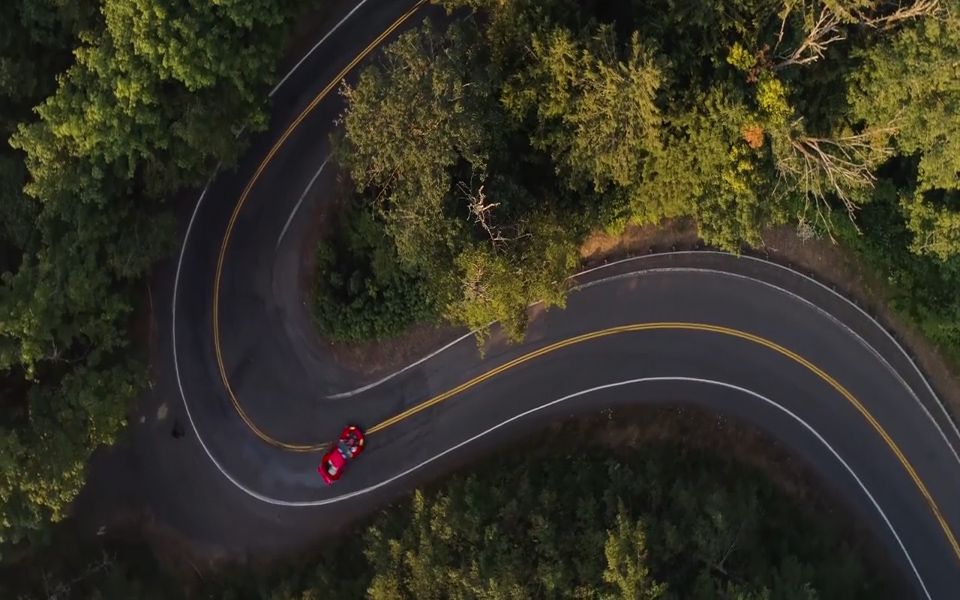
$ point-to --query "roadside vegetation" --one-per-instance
(482, 153)
(601, 520)
(486, 150)
(110, 107)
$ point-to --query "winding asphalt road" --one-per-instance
(747, 337)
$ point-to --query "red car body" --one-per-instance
(345, 449)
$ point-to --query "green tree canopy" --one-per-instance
(595, 105)
(132, 101)
(426, 141)
(595, 116)
(669, 524)
(627, 562)
(409, 123)
(912, 79)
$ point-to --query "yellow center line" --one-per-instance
(528, 357)
(637, 327)
(236, 211)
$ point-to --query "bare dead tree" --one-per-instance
(823, 29)
(819, 167)
(903, 12)
(805, 230)
(824, 22)
(481, 213)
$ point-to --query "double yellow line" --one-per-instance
(243, 199)
(532, 355)
(699, 327)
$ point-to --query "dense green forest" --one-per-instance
(654, 521)
(109, 106)
(485, 151)
(482, 153)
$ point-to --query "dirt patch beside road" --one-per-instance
(679, 234)
(374, 357)
(384, 356)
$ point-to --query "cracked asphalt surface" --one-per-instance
(891, 452)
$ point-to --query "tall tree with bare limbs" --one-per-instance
(839, 167)
(819, 24)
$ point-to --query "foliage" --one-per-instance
(709, 169)
(595, 111)
(145, 96)
(910, 79)
(654, 522)
(425, 140)
(363, 292)
(499, 286)
(913, 79)
(628, 561)
(741, 114)
(96, 571)
(482, 152)
(131, 101)
(922, 286)
(44, 461)
(407, 124)
(666, 523)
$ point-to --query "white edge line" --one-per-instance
(856, 336)
(378, 382)
(853, 334)
(470, 334)
(930, 390)
(183, 250)
(402, 474)
(296, 208)
(176, 361)
(579, 274)
(823, 286)
(268, 500)
(349, 393)
(315, 46)
(876, 323)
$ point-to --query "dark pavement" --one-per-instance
(881, 457)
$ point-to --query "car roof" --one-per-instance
(336, 458)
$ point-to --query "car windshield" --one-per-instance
(345, 449)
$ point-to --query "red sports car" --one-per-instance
(348, 447)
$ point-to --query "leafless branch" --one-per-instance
(481, 213)
(474, 284)
(824, 30)
(805, 231)
(824, 22)
(783, 27)
(820, 167)
(913, 10)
